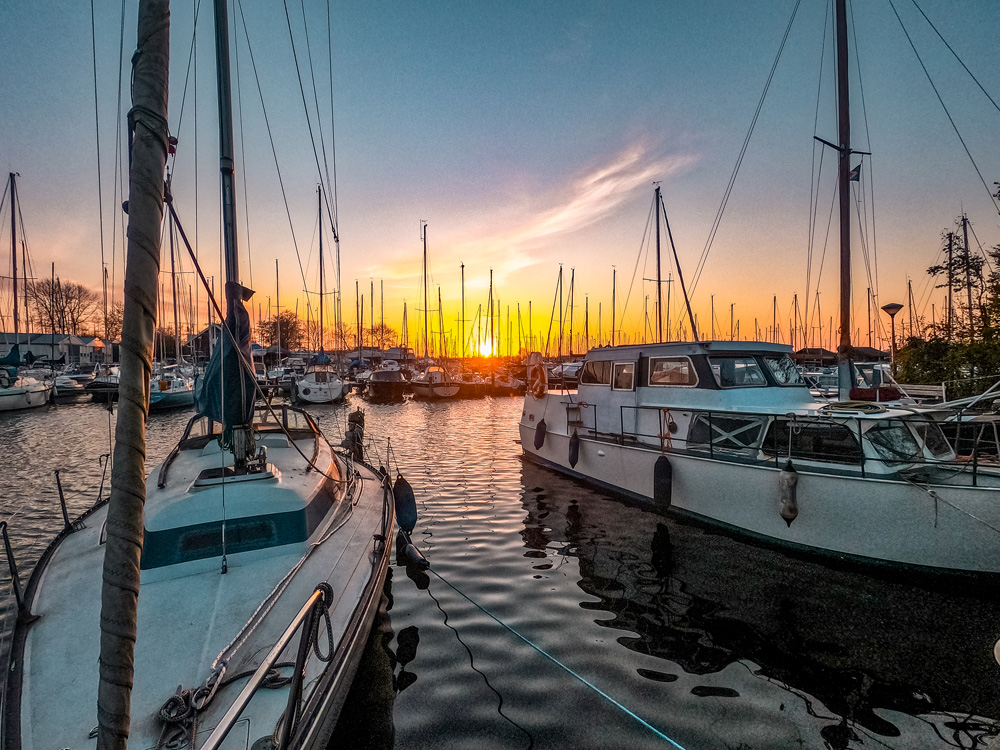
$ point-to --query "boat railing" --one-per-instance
(748, 436)
(305, 620)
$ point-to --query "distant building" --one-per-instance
(75, 349)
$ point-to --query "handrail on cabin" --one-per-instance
(321, 596)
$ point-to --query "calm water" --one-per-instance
(556, 616)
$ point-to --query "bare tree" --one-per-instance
(287, 323)
(68, 306)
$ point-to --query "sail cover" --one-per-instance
(13, 358)
(227, 391)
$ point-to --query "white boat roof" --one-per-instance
(633, 351)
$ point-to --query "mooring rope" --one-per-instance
(558, 663)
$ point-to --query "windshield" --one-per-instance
(894, 442)
(784, 370)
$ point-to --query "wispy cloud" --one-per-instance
(535, 226)
(586, 200)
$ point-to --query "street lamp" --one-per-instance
(892, 308)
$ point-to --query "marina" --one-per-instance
(710, 638)
(468, 507)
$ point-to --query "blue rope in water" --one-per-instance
(553, 659)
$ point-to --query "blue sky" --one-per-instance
(527, 134)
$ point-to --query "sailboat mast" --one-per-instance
(463, 311)
(844, 139)
(173, 293)
(226, 163)
(319, 192)
(659, 279)
(13, 249)
(423, 236)
(123, 549)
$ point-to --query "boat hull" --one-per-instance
(948, 527)
(435, 390)
(24, 397)
(188, 616)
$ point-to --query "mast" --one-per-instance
(441, 350)
(319, 192)
(844, 350)
(613, 310)
(120, 581)
(13, 250)
(423, 236)
(659, 280)
(463, 311)
(572, 279)
(173, 292)
(277, 308)
(968, 275)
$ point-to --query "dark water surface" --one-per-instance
(558, 616)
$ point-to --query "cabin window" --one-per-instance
(894, 443)
(818, 441)
(737, 372)
(596, 373)
(932, 437)
(624, 376)
(672, 371)
(725, 432)
(783, 370)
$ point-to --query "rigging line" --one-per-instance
(270, 136)
(743, 149)
(555, 661)
(955, 54)
(319, 119)
(117, 181)
(97, 138)
(815, 170)
(333, 139)
(302, 92)
(642, 246)
(868, 141)
(187, 79)
(968, 153)
(243, 160)
(986, 255)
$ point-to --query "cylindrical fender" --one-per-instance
(406, 504)
(663, 476)
(787, 481)
(574, 449)
(540, 435)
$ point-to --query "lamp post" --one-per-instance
(892, 308)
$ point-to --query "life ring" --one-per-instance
(539, 381)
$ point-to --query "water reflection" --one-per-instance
(855, 646)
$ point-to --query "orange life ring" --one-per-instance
(539, 381)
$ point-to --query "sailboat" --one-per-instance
(263, 550)
(727, 432)
(435, 382)
(171, 387)
(17, 391)
(320, 383)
